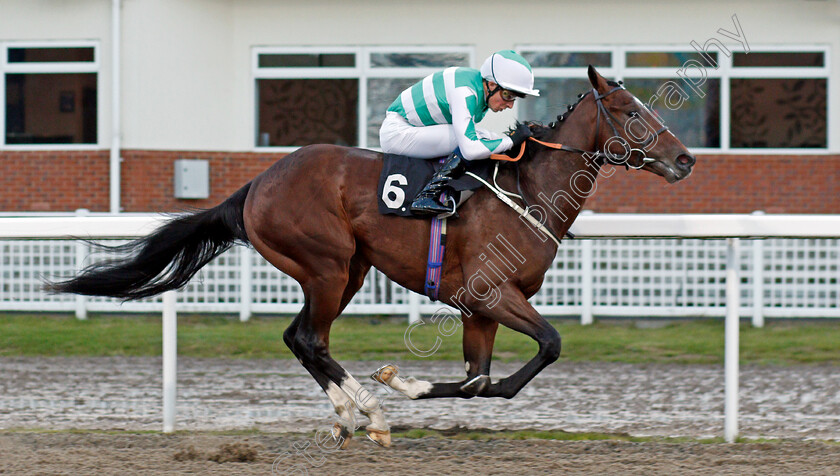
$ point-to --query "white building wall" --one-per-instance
(179, 70)
(187, 81)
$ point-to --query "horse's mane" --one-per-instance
(543, 132)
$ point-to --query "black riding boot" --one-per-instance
(427, 201)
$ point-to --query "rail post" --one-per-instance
(586, 276)
(170, 360)
(413, 307)
(758, 279)
(733, 303)
(81, 254)
(245, 296)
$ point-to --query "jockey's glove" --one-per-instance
(520, 134)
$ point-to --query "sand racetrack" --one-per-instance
(793, 407)
(99, 454)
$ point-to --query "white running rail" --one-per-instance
(810, 239)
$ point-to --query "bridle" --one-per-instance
(600, 157)
(607, 156)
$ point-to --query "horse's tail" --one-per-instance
(167, 258)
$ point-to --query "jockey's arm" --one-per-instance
(475, 144)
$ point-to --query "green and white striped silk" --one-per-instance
(452, 96)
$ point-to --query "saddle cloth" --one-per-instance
(402, 178)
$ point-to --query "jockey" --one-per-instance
(437, 117)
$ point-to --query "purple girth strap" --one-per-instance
(437, 246)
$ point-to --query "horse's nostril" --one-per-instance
(686, 160)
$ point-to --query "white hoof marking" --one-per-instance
(366, 402)
(410, 386)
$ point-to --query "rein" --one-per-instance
(524, 212)
(607, 157)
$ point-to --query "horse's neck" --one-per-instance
(560, 181)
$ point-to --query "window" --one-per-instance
(337, 95)
(50, 93)
(560, 76)
(716, 99)
(779, 100)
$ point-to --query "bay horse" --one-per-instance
(313, 215)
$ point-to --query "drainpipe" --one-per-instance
(115, 107)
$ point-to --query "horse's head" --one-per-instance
(630, 134)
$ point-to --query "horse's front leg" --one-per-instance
(479, 336)
(514, 311)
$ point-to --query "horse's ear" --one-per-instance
(598, 81)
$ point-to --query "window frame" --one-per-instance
(362, 71)
(725, 71)
(49, 68)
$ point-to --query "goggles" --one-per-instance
(509, 95)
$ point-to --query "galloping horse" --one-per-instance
(314, 216)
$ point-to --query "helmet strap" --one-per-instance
(490, 93)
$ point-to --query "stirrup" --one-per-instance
(454, 211)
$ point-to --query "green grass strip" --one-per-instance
(379, 339)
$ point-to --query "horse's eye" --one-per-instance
(633, 113)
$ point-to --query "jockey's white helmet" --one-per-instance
(510, 71)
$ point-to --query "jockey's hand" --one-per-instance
(520, 135)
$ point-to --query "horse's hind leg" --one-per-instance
(326, 296)
(343, 404)
(343, 429)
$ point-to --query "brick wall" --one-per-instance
(728, 184)
(67, 180)
(54, 181)
(148, 177)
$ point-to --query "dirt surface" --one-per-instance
(117, 393)
(791, 405)
(83, 454)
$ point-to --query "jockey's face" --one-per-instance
(496, 102)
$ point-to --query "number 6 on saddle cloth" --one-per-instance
(402, 178)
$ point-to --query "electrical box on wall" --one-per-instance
(192, 179)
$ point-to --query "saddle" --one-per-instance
(403, 177)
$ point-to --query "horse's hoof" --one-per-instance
(385, 373)
(342, 434)
(381, 438)
(477, 385)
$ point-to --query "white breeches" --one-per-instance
(397, 136)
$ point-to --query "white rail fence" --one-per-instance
(794, 274)
(642, 277)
